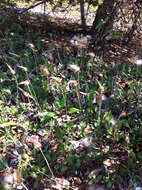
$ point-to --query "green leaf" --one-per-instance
(64, 168)
(50, 114)
(59, 133)
(90, 182)
(100, 2)
(46, 115)
(101, 22)
(109, 184)
(74, 110)
(140, 155)
(90, 98)
(78, 163)
(8, 124)
(7, 91)
(3, 76)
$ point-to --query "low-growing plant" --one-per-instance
(62, 113)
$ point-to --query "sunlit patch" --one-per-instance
(139, 62)
(61, 183)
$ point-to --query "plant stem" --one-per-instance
(47, 163)
(78, 95)
(99, 113)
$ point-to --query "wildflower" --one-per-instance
(17, 56)
(11, 70)
(23, 68)
(57, 79)
(74, 68)
(30, 45)
(27, 94)
(26, 82)
(44, 69)
(74, 82)
(101, 88)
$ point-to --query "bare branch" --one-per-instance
(31, 7)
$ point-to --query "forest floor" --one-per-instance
(51, 135)
(68, 24)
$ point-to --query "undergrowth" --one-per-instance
(64, 116)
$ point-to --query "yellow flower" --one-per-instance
(101, 88)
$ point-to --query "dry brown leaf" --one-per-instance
(34, 139)
(12, 178)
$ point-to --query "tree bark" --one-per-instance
(82, 11)
(103, 21)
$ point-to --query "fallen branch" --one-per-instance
(31, 7)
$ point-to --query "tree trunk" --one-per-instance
(45, 7)
(82, 11)
(103, 21)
